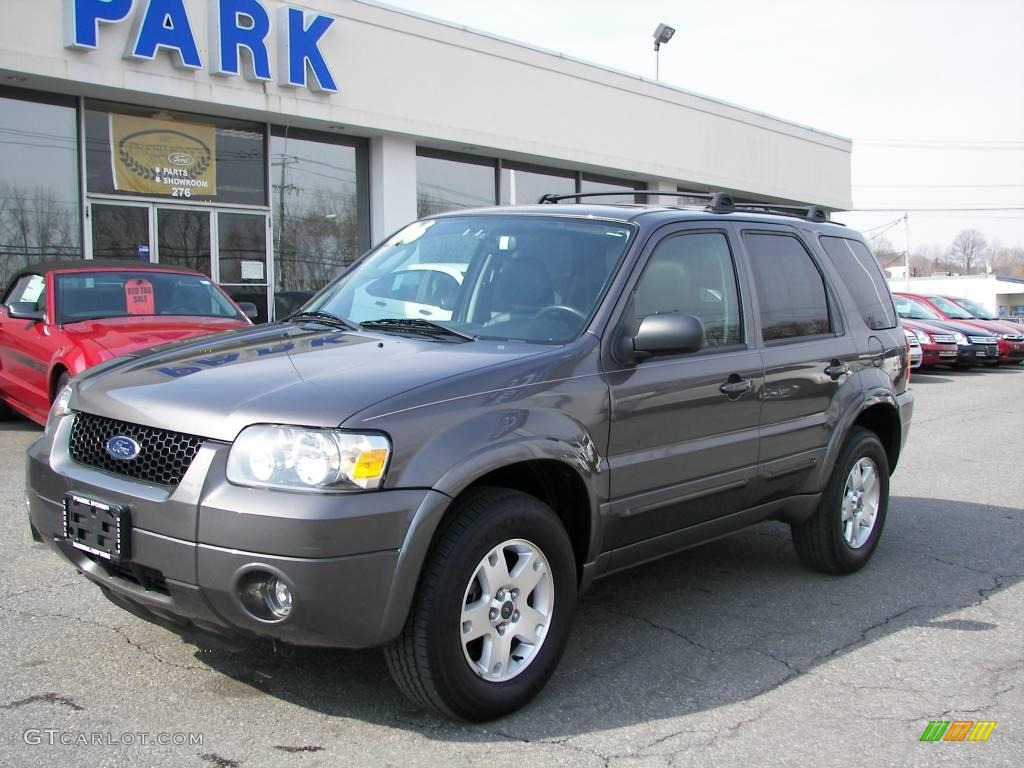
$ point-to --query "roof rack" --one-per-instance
(718, 202)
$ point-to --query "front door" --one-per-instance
(684, 428)
(229, 246)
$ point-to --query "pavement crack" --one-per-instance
(123, 634)
(220, 762)
(49, 698)
(662, 627)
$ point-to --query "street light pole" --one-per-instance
(661, 35)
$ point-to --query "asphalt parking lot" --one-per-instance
(731, 654)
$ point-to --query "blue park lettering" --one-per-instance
(239, 34)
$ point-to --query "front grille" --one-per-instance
(163, 457)
(1013, 337)
(942, 338)
(982, 339)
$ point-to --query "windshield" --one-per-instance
(914, 310)
(974, 308)
(505, 277)
(950, 309)
(92, 295)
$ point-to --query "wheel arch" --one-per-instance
(549, 470)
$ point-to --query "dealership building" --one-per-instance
(269, 143)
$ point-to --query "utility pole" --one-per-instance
(906, 224)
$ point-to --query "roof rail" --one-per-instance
(718, 202)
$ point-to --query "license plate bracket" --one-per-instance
(97, 527)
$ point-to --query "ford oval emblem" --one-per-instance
(122, 448)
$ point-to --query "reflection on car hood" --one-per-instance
(123, 335)
(276, 374)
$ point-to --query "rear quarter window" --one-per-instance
(864, 280)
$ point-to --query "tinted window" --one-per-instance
(950, 309)
(693, 274)
(790, 288)
(863, 279)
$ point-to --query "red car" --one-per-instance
(938, 345)
(58, 319)
(1012, 334)
(1011, 350)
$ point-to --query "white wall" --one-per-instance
(400, 74)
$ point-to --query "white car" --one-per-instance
(426, 291)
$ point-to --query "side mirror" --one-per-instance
(668, 334)
(249, 309)
(25, 310)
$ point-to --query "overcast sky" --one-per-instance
(931, 91)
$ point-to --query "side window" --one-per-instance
(863, 278)
(30, 289)
(789, 286)
(693, 274)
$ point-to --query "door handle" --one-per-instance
(736, 386)
(426, 312)
(380, 303)
(836, 369)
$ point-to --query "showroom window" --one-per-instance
(525, 184)
(320, 207)
(449, 182)
(39, 200)
(590, 183)
(186, 158)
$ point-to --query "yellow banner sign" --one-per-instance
(163, 157)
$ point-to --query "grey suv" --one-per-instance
(566, 391)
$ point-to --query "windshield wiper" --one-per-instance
(327, 318)
(415, 325)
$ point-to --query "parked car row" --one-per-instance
(957, 332)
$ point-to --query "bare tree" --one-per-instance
(968, 249)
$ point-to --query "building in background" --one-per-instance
(269, 143)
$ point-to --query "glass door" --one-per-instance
(121, 231)
(242, 259)
(229, 246)
(183, 238)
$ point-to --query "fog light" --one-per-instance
(278, 597)
(265, 596)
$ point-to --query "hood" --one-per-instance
(963, 326)
(124, 335)
(285, 374)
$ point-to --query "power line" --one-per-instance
(940, 186)
(858, 209)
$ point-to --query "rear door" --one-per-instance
(682, 450)
(809, 357)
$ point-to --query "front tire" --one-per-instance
(493, 610)
(844, 531)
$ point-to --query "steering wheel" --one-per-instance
(562, 309)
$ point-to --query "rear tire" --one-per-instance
(844, 531)
(493, 610)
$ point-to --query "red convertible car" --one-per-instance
(58, 319)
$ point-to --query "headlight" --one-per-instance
(297, 458)
(923, 337)
(59, 409)
(961, 339)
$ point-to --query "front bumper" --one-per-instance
(1011, 351)
(190, 546)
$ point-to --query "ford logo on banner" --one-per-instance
(122, 448)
